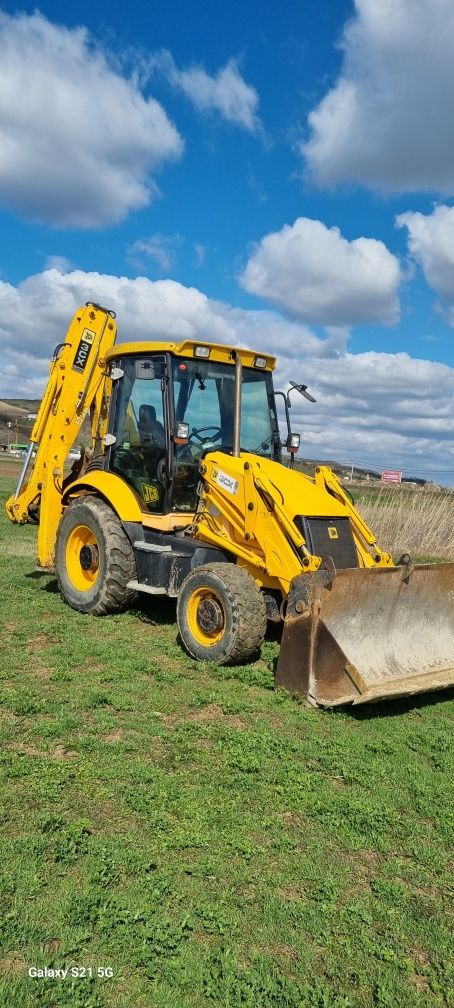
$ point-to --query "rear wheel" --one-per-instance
(94, 559)
(221, 614)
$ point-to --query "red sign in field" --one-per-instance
(391, 476)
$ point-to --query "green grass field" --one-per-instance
(212, 841)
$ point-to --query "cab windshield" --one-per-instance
(204, 399)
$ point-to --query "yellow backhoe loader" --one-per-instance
(184, 494)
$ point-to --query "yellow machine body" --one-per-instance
(262, 539)
(250, 503)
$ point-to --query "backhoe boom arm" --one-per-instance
(78, 383)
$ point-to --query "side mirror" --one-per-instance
(292, 444)
(181, 435)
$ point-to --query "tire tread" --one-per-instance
(248, 606)
(114, 594)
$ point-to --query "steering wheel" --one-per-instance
(128, 457)
(197, 431)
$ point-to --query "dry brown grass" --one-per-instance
(420, 523)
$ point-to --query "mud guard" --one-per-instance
(366, 634)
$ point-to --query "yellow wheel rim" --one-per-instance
(82, 558)
(206, 616)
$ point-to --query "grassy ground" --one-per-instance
(211, 840)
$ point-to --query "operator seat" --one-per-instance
(150, 429)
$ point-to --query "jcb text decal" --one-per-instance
(83, 350)
(149, 493)
(226, 482)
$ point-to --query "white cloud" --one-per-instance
(200, 253)
(431, 243)
(36, 314)
(387, 123)
(226, 93)
(379, 411)
(58, 262)
(158, 248)
(78, 141)
(372, 408)
(314, 273)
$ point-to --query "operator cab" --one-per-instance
(156, 394)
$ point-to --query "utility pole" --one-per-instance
(351, 473)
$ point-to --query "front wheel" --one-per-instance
(221, 614)
(94, 559)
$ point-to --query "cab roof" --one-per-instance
(218, 352)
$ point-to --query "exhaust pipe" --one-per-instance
(237, 405)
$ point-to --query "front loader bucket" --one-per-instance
(368, 634)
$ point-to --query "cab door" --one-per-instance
(140, 451)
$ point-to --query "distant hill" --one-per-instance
(10, 408)
(344, 471)
(29, 405)
(15, 412)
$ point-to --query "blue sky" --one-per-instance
(279, 176)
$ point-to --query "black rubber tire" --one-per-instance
(244, 614)
(117, 566)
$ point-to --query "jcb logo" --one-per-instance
(332, 532)
(226, 482)
(149, 493)
(83, 350)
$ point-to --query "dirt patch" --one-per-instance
(364, 867)
(114, 736)
(240, 724)
(41, 671)
(41, 641)
(203, 938)
(274, 719)
(105, 810)
(10, 626)
(369, 858)
(206, 715)
(13, 963)
(60, 752)
(107, 817)
(24, 749)
(428, 893)
(292, 818)
(52, 946)
(283, 952)
(290, 893)
(28, 750)
(7, 718)
(88, 667)
(420, 957)
(419, 983)
(211, 714)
